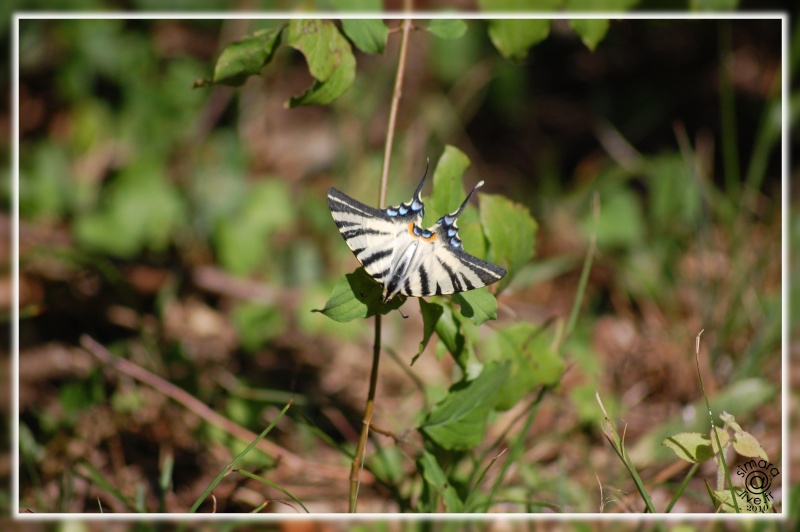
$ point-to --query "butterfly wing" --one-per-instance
(444, 267)
(369, 232)
(379, 238)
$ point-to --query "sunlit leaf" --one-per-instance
(369, 35)
(329, 57)
(357, 295)
(447, 28)
(511, 232)
(690, 446)
(478, 305)
(448, 190)
(591, 30)
(246, 57)
(513, 37)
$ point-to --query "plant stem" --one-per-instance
(358, 459)
(713, 430)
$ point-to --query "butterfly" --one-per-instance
(403, 257)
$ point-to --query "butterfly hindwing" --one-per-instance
(404, 258)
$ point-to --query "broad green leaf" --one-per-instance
(431, 312)
(513, 37)
(357, 295)
(448, 191)
(478, 305)
(447, 28)
(329, 57)
(590, 30)
(693, 447)
(369, 35)
(246, 57)
(458, 422)
(533, 361)
(747, 445)
(511, 232)
(437, 485)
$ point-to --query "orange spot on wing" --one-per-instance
(411, 232)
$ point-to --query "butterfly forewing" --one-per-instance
(404, 258)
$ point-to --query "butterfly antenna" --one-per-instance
(401, 313)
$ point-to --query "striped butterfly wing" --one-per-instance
(377, 237)
(447, 269)
(443, 267)
(404, 258)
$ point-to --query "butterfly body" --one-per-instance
(402, 256)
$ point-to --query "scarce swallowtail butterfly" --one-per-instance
(404, 258)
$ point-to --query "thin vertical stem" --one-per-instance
(358, 459)
(397, 94)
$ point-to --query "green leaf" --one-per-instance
(511, 232)
(458, 422)
(513, 37)
(357, 295)
(329, 57)
(431, 312)
(246, 57)
(448, 190)
(533, 360)
(746, 444)
(693, 447)
(447, 29)
(369, 35)
(438, 485)
(590, 30)
(478, 305)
